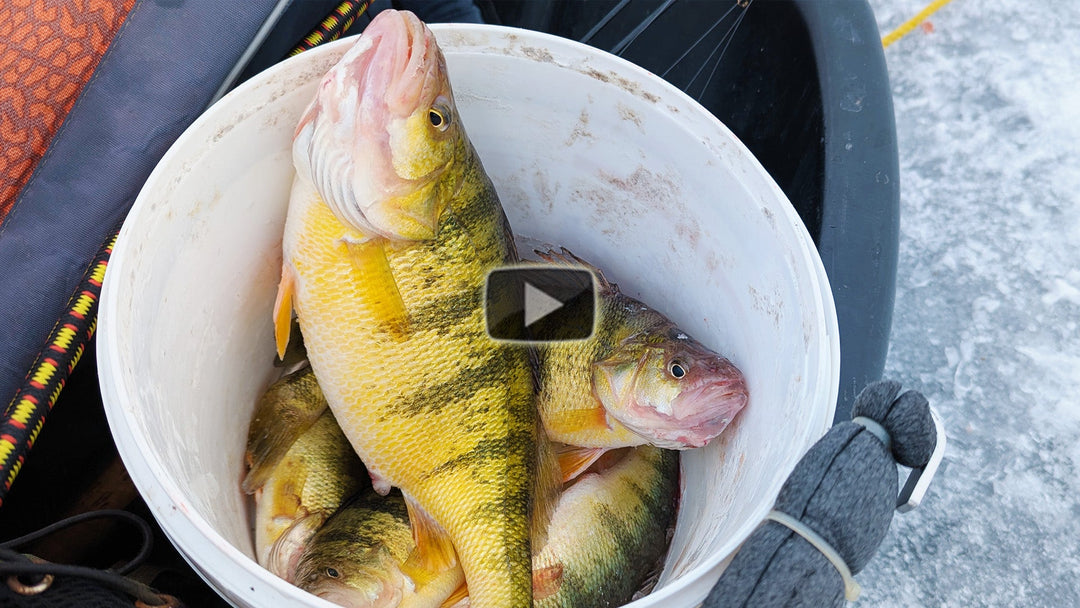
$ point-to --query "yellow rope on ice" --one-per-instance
(912, 23)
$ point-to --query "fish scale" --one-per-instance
(637, 380)
(625, 514)
(441, 411)
(608, 535)
(305, 484)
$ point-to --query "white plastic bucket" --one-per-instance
(587, 151)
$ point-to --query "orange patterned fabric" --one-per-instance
(48, 50)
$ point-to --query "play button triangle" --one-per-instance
(538, 304)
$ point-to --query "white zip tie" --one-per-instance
(875, 427)
(851, 588)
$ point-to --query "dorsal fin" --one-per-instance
(565, 257)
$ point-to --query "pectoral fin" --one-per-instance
(283, 311)
(295, 357)
(546, 581)
(433, 565)
(574, 460)
(569, 425)
(434, 553)
(379, 289)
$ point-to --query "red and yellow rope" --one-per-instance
(25, 415)
(333, 26)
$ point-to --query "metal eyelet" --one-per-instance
(22, 588)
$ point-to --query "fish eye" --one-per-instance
(333, 573)
(439, 117)
(677, 369)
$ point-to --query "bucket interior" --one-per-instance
(586, 151)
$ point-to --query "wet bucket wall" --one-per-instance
(587, 151)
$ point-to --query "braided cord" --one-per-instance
(335, 24)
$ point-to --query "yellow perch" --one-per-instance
(639, 380)
(392, 227)
(301, 468)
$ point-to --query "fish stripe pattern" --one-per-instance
(458, 403)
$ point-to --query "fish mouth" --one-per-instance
(408, 61)
(284, 554)
(384, 594)
(342, 142)
(417, 80)
(698, 415)
(374, 585)
(712, 406)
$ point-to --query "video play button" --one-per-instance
(540, 304)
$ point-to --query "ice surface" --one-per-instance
(988, 299)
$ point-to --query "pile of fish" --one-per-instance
(501, 474)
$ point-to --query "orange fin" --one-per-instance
(283, 311)
(574, 460)
(434, 553)
(379, 288)
(433, 565)
(295, 357)
(561, 422)
(546, 581)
